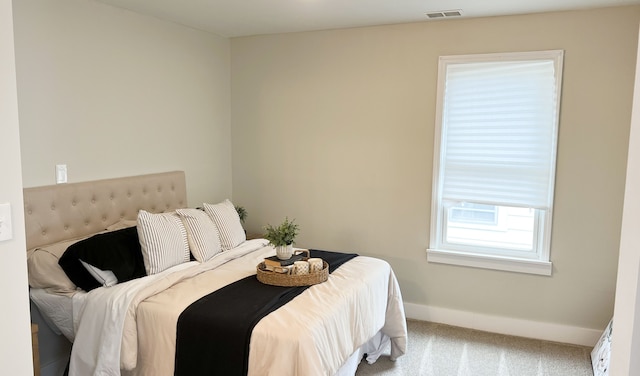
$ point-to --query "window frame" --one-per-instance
(537, 262)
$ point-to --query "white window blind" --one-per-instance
(499, 130)
(495, 152)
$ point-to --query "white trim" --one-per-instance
(509, 264)
(557, 55)
(504, 325)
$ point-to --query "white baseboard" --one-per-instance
(504, 325)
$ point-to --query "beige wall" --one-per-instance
(15, 345)
(335, 128)
(113, 93)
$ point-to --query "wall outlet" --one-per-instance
(6, 232)
(61, 173)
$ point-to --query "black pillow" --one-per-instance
(118, 251)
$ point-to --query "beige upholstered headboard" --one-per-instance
(66, 211)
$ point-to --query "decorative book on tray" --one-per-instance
(275, 261)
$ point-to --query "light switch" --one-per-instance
(5, 222)
(61, 173)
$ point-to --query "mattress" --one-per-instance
(57, 311)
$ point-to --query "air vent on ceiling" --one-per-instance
(444, 14)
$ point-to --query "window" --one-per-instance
(467, 212)
(494, 161)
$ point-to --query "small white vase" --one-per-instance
(284, 252)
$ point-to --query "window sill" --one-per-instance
(490, 262)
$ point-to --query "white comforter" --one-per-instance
(314, 333)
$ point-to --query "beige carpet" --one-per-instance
(442, 350)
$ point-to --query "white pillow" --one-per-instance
(202, 233)
(105, 277)
(227, 221)
(163, 240)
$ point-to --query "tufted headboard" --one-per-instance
(66, 211)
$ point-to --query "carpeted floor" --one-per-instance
(442, 350)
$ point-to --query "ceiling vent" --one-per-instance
(444, 14)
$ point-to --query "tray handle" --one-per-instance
(298, 251)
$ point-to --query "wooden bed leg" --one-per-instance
(35, 350)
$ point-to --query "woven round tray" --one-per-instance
(281, 279)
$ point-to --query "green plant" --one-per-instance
(242, 213)
(284, 234)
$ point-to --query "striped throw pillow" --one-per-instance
(227, 221)
(202, 233)
(163, 240)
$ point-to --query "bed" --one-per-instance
(133, 322)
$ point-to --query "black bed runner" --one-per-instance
(213, 333)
